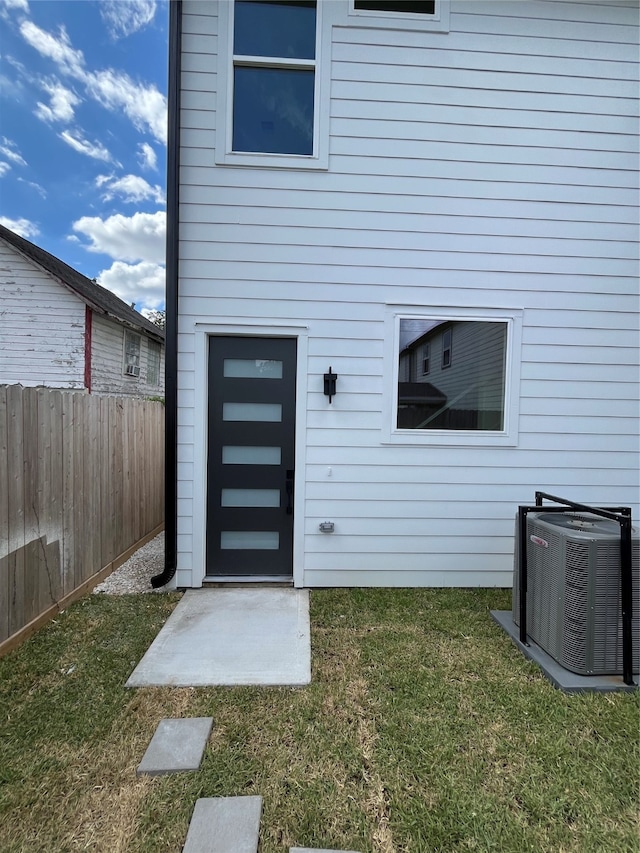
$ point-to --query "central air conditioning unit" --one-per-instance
(573, 590)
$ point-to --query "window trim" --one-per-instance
(420, 22)
(156, 348)
(508, 436)
(447, 348)
(426, 359)
(224, 155)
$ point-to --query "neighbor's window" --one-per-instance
(426, 353)
(153, 363)
(467, 393)
(131, 354)
(447, 337)
(274, 69)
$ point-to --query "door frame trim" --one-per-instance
(241, 327)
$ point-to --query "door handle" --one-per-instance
(289, 489)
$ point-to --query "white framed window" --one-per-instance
(447, 340)
(153, 363)
(273, 67)
(416, 15)
(470, 397)
(426, 359)
(131, 354)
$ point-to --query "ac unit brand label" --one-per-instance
(538, 541)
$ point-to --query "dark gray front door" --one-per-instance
(250, 477)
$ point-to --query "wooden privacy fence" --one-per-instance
(81, 484)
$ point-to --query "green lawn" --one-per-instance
(423, 730)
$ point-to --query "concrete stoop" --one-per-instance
(231, 825)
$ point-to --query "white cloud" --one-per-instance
(6, 5)
(22, 227)
(124, 17)
(142, 283)
(140, 237)
(131, 188)
(34, 186)
(147, 156)
(144, 104)
(58, 49)
(62, 105)
(4, 168)
(9, 150)
(76, 140)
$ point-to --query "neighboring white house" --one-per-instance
(349, 174)
(60, 329)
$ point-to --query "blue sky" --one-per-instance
(83, 136)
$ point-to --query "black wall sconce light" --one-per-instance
(330, 384)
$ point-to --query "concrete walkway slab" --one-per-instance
(231, 637)
(224, 825)
(177, 746)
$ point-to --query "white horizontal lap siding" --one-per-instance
(495, 166)
(107, 362)
(42, 326)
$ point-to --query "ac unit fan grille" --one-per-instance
(573, 597)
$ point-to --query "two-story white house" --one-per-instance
(349, 179)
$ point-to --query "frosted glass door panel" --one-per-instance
(234, 455)
(250, 497)
(249, 540)
(256, 412)
(252, 368)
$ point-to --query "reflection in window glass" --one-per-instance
(274, 68)
(415, 7)
(249, 455)
(462, 393)
(252, 368)
(256, 412)
(273, 110)
(275, 28)
(251, 540)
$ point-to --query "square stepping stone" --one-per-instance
(177, 745)
(224, 825)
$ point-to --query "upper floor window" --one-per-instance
(274, 52)
(417, 7)
(447, 336)
(270, 88)
(426, 354)
(416, 15)
(131, 354)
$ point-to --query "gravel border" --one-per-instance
(135, 575)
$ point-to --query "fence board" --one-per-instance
(81, 482)
(16, 493)
(68, 465)
(4, 517)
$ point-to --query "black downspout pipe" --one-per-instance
(171, 344)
